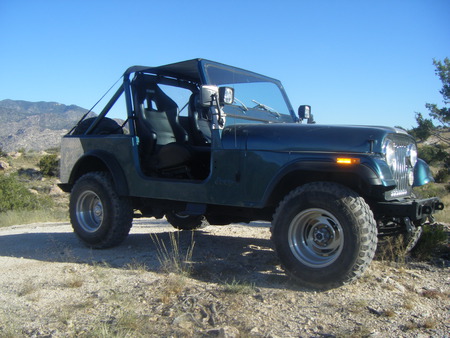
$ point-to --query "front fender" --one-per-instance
(422, 174)
(364, 177)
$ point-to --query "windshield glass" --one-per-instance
(258, 99)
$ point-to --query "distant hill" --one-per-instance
(35, 125)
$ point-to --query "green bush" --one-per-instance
(49, 165)
(433, 154)
(15, 196)
(431, 190)
(442, 176)
(432, 242)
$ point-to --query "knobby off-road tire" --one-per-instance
(325, 234)
(99, 216)
(186, 222)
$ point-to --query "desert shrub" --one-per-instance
(442, 176)
(49, 165)
(433, 154)
(15, 196)
(433, 240)
(431, 190)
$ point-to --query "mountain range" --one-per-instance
(35, 125)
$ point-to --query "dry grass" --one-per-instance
(389, 313)
(392, 249)
(238, 287)
(137, 266)
(430, 323)
(171, 256)
(174, 284)
(15, 217)
(433, 294)
(409, 303)
(27, 288)
(358, 305)
(74, 282)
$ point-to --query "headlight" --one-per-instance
(389, 151)
(412, 154)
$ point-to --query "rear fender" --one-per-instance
(99, 160)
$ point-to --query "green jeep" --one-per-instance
(206, 143)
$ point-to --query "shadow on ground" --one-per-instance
(216, 258)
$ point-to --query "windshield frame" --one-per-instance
(238, 76)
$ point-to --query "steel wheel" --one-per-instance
(89, 211)
(316, 238)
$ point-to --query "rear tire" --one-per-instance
(99, 216)
(325, 234)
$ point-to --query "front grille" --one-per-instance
(400, 170)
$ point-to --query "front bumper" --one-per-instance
(413, 209)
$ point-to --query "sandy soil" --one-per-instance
(51, 285)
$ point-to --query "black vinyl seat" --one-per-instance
(163, 141)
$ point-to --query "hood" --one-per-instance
(309, 137)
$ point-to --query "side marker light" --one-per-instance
(347, 160)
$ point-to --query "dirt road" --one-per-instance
(52, 285)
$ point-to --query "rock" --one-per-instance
(228, 332)
(224, 332)
(14, 154)
(185, 321)
(4, 165)
(55, 191)
(33, 191)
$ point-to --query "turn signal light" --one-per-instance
(347, 160)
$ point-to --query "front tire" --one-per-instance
(99, 216)
(325, 234)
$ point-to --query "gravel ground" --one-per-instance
(51, 285)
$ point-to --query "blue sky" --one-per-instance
(354, 62)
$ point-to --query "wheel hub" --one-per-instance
(98, 210)
(322, 235)
(89, 211)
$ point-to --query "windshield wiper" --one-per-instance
(243, 106)
(266, 108)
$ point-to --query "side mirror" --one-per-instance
(304, 113)
(209, 95)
